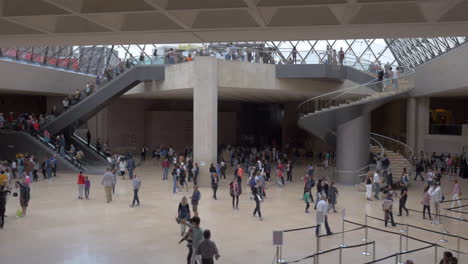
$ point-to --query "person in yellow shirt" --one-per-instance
(3, 179)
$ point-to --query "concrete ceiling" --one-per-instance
(80, 22)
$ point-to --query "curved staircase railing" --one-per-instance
(359, 94)
(398, 147)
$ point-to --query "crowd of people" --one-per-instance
(253, 166)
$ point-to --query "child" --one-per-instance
(87, 185)
(306, 200)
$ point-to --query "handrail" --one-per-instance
(382, 149)
(403, 73)
(397, 146)
(90, 146)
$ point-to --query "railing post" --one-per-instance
(458, 248)
(277, 255)
(435, 254)
(342, 234)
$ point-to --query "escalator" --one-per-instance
(92, 104)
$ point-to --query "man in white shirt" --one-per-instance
(377, 184)
(321, 216)
(436, 197)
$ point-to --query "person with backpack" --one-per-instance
(234, 191)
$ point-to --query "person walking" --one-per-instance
(214, 184)
(3, 200)
(436, 197)
(136, 183)
(333, 195)
(321, 216)
(195, 199)
(258, 200)
(25, 195)
(376, 184)
(430, 177)
(419, 170)
(196, 171)
(207, 249)
(88, 137)
(341, 56)
(456, 194)
(240, 175)
(307, 201)
(81, 184)
(183, 212)
(108, 182)
(174, 179)
(130, 167)
(87, 184)
(188, 237)
(403, 199)
(165, 167)
(387, 206)
(426, 202)
(319, 193)
(289, 168)
(369, 186)
(197, 237)
(234, 191)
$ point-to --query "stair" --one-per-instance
(397, 162)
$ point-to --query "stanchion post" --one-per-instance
(373, 250)
(396, 259)
(277, 255)
(401, 244)
(365, 231)
(435, 253)
(342, 234)
(281, 255)
(458, 248)
(341, 255)
(316, 261)
(407, 237)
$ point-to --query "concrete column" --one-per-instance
(411, 122)
(352, 148)
(422, 121)
(205, 115)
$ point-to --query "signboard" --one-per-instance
(277, 238)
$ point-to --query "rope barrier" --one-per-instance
(298, 229)
(456, 207)
(446, 216)
(351, 230)
(402, 253)
(448, 201)
(456, 211)
(421, 228)
(329, 250)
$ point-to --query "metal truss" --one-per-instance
(412, 52)
(359, 53)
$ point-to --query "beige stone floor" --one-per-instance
(59, 228)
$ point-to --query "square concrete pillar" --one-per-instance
(205, 115)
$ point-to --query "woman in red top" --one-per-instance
(280, 173)
(81, 184)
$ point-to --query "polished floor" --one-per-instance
(59, 228)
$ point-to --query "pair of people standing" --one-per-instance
(84, 184)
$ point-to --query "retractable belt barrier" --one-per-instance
(330, 250)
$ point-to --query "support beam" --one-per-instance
(74, 12)
(254, 12)
(205, 115)
(433, 11)
(161, 7)
(352, 149)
